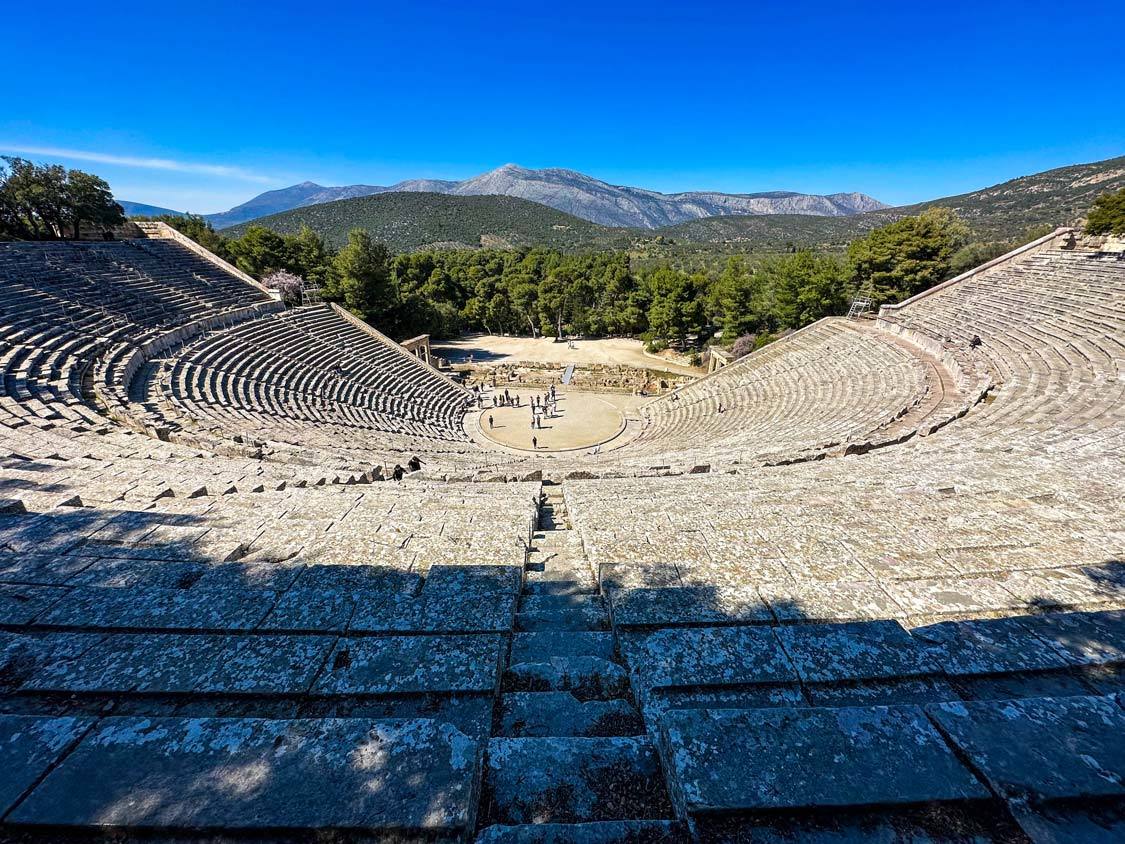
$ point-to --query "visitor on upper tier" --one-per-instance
(414, 464)
(398, 472)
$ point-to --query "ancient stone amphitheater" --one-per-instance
(864, 585)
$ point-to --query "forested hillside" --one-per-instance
(409, 221)
(999, 213)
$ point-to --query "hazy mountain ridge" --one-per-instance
(570, 192)
(624, 206)
(284, 199)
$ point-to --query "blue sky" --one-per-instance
(200, 106)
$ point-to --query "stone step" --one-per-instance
(547, 568)
(576, 620)
(560, 586)
(573, 780)
(548, 553)
(541, 647)
(562, 603)
(541, 714)
(557, 541)
(562, 612)
(587, 677)
(602, 832)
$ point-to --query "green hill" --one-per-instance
(998, 213)
(411, 221)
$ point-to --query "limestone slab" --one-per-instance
(568, 780)
(43, 569)
(762, 759)
(541, 714)
(871, 650)
(706, 656)
(843, 601)
(953, 596)
(23, 603)
(132, 663)
(537, 647)
(987, 646)
(412, 665)
(28, 746)
(597, 832)
(1083, 638)
(587, 677)
(1042, 748)
(688, 605)
(265, 664)
(247, 773)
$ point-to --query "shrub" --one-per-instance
(743, 346)
(287, 284)
(1108, 214)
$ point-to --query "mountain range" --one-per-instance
(564, 190)
(408, 220)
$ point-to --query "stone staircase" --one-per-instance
(569, 759)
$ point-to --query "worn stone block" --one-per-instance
(587, 677)
(375, 665)
(267, 665)
(706, 656)
(541, 714)
(958, 597)
(28, 746)
(541, 646)
(766, 759)
(598, 832)
(843, 601)
(688, 605)
(22, 604)
(132, 663)
(245, 773)
(871, 650)
(988, 646)
(1083, 638)
(1042, 748)
(42, 569)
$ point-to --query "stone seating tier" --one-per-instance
(923, 641)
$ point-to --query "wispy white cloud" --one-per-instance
(218, 170)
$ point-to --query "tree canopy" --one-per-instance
(49, 202)
(1108, 214)
(907, 256)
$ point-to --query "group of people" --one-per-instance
(545, 406)
(542, 407)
